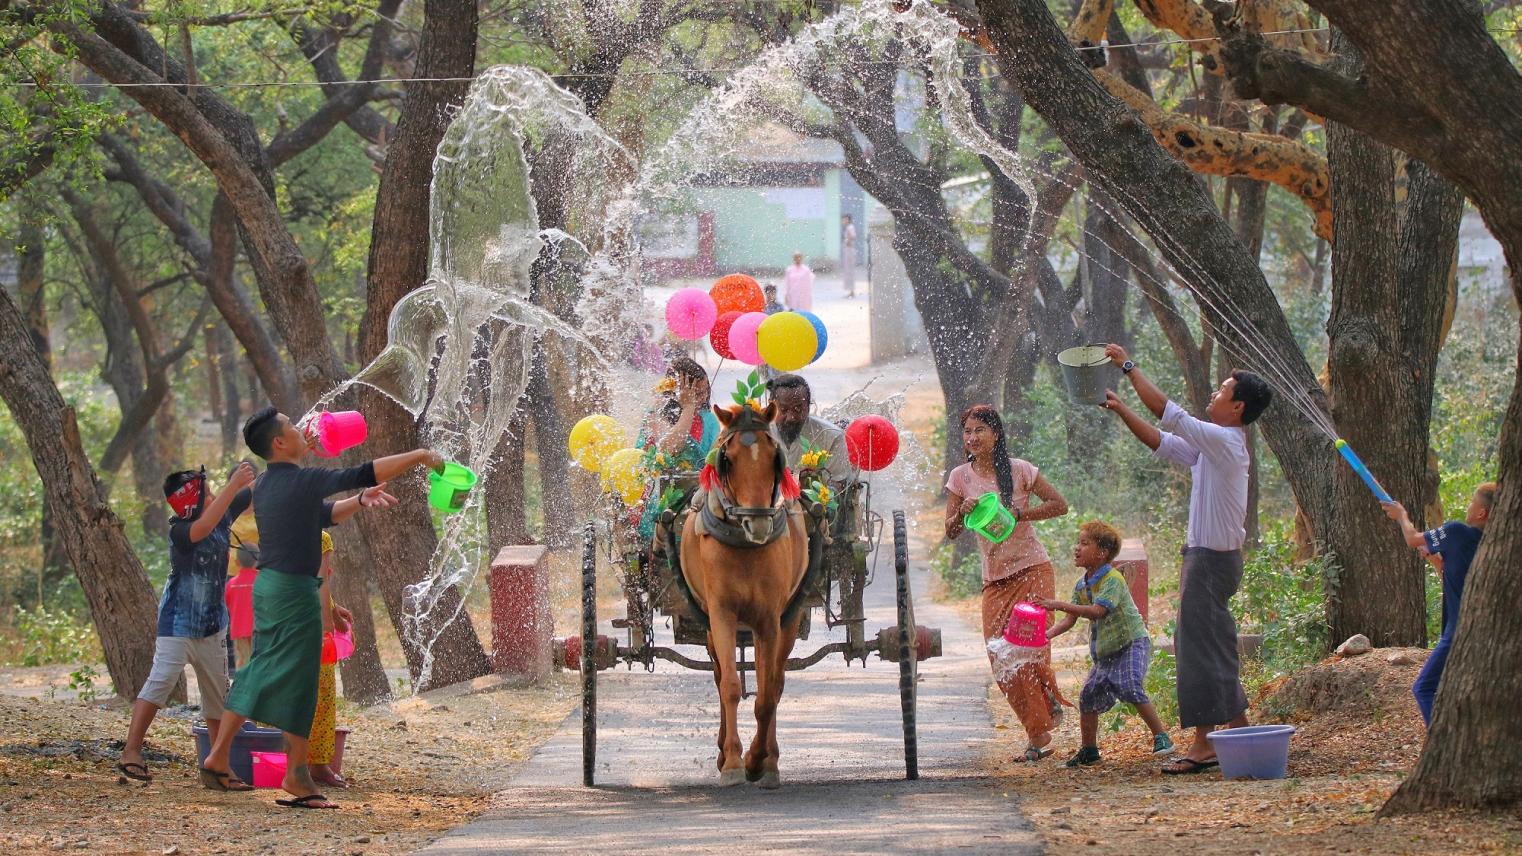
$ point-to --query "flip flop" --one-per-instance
(306, 802)
(216, 780)
(1192, 767)
(1032, 754)
(125, 770)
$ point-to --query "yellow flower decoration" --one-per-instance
(824, 495)
(753, 404)
(810, 460)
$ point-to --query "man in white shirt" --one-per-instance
(1215, 451)
(796, 426)
(847, 255)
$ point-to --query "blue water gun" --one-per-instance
(1363, 471)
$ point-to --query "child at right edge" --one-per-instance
(1118, 642)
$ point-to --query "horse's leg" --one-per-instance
(718, 683)
(766, 698)
(780, 649)
(721, 639)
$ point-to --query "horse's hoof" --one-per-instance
(770, 780)
(752, 775)
(730, 778)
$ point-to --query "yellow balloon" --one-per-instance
(593, 439)
(621, 475)
(787, 341)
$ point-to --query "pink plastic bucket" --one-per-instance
(1027, 626)
(337, 646)
(342, 430)
(269, 769)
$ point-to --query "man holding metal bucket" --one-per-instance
(1215, 451)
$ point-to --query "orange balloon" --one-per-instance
(737, 293)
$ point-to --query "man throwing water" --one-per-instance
(1215, 451)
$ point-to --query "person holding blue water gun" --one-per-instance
(1453, 546)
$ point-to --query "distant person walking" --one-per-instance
(798, 286)
(847, 255)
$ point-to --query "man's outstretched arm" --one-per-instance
(1146, 390)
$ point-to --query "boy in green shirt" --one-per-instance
(1118, 641)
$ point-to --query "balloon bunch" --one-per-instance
(731, 314)
(597, 445)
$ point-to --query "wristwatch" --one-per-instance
(1127, 366)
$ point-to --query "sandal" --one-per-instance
(306, 802)
(217, 780)
(1032, 754)
(126, 770)
(1189, 767)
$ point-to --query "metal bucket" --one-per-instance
(1087, 372)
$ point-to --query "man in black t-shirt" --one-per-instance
(278, 685)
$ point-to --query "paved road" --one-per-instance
(841, 735)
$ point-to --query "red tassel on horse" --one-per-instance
(790, 488)
(708, 477)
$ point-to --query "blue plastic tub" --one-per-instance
(1252, 752)
(251, 739)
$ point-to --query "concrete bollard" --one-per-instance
(520, 612)
(1132, 564)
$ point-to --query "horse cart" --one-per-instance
(832, 594)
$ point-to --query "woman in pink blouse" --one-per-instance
(1013, 571)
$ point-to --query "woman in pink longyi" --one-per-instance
(798, 290)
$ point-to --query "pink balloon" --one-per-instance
(690, 313)
(742, 338)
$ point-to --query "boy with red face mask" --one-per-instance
(192, 620)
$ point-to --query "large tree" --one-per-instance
(1435, 84)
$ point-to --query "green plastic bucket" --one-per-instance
(1087, 372)
(447, 490)
(990, 519)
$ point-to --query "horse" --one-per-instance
(744, 556)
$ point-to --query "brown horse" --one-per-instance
(744, 553)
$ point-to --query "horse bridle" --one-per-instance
(743, 525)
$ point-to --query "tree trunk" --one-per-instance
(506, 522)
(114, 582)
(1473, 754)
(1389, 288)
(404, 538)
(220, 342)
(364, 675)
(31, 265)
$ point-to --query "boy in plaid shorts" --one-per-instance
(1118, 641)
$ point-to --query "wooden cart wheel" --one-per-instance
(588, 655)
(908, 663)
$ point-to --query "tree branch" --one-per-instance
(1219, 151)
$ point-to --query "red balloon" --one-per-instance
(737, 293)
(871, 443)
(718, 337)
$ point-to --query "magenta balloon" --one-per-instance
(690, 313)
(742, 338)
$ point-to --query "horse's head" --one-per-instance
(750, 460)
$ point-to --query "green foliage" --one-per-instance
(45, 635)
(1286, 602)
(82, 683)
(962, 579)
